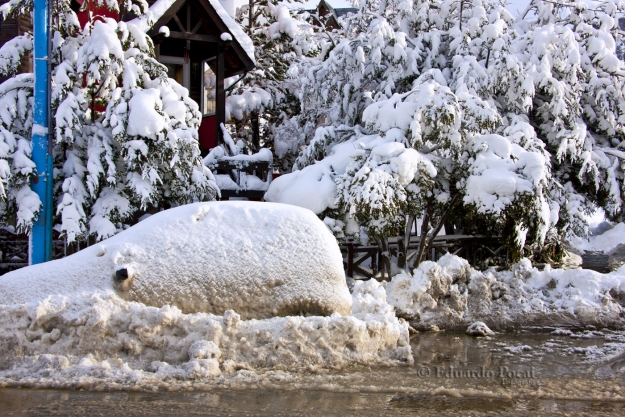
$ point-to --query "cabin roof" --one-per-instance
(162, 11)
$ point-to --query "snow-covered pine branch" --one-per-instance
(265, 101)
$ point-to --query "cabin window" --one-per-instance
(209, 88)
(177, 69)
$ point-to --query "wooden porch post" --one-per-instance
(220, 99)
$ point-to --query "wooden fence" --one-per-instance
(14, 250)
(363, 262)
(359, 261)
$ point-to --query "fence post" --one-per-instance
(350, 260)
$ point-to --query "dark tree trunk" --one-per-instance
(385, 267)
(255, 131)
(403, 242)
(428, 237)
(425, 228)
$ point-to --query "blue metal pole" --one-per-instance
(40, 248)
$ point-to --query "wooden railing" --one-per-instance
(14, 250)
(359, 261)
(363, 261)
(238, 170)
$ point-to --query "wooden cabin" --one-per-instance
(200, 51)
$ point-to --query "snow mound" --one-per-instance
(451, 295)
(603, 242)
(479, 328)
(259, 259)
(104, 342)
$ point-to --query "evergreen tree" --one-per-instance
(125, 135)
(264, 103)
(522, 120)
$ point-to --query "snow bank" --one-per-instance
(104, 342)
(450, 294)
(603, 242)
(259, 259)
(64, 324)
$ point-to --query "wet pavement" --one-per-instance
(535, 371)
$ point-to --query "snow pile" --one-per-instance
(103, 342)
(450, 294)
(603, 242)
(77, 322)
(259, 259)
(479, 328)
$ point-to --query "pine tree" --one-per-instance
(265, 102)
(125, 135)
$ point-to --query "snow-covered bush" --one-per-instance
(125, 135)
(521, 119)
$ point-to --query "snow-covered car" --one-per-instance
(259, 259)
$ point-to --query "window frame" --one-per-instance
(178, 60)
(202, 99)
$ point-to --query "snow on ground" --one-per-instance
(451, 295)
(603, 242)
(103, 342)
(260, 259)
(64, 325)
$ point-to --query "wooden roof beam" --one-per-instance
(194, 37)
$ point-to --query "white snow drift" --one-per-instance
(63, 324)
(450, 294)
(259, 259)
(104, 342)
